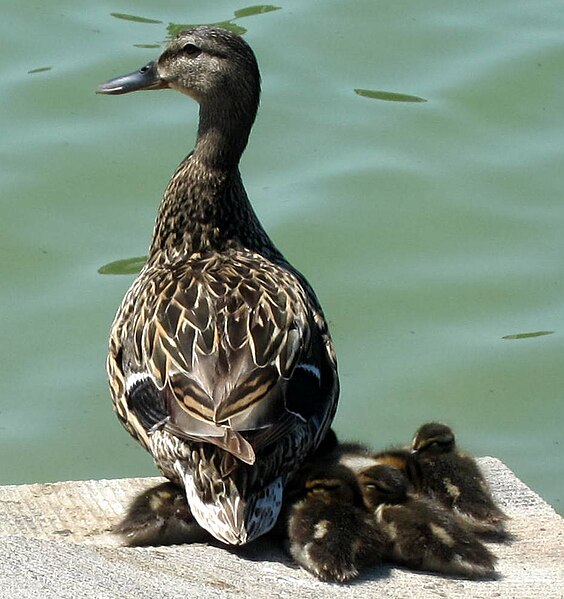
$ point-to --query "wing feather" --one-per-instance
(222, 340)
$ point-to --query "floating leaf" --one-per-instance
(128, 266)
(528, 335)
(173, 29)
(135, 19)
(387, 96)
(260, 9)
(39, 70)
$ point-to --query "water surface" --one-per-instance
(431, 230)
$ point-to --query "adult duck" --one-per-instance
(220, 361)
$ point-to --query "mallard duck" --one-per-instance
(329, 532)
(454, 478)
(158, 516)
(220, 361)
(422, 533)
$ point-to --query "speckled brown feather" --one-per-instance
(220, 361)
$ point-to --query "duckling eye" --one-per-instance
(191, 50)
(376, 487)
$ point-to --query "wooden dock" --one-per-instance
(55, 543)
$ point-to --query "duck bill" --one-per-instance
(146, 77)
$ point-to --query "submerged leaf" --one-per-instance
(528, 335)
(135, 19)
(387, 96)
(255, 10)
(127, 266)
(39, 70)
(175, 28)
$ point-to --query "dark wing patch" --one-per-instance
(144, 400)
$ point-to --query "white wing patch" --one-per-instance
(133, 378)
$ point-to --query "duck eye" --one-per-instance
(191, 50)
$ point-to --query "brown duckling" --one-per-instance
(422, 533)
(454, 478)
(329, 532)
(158, 516)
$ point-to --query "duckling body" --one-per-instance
(158, 516)
(220, 361)
(453, 478)
(330, 534)
(422, 533)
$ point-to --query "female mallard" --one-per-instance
(454, 478)
(220, 361)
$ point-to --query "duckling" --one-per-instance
(454, 478)
(158, 516)
(422, 534)
(358, 457)
(220, 361)
(329, 532)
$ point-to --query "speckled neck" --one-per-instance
(205, 206)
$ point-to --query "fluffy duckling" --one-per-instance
(422, 534)
(329, 532)
(454, 478)
(358, 457)
(158, 516)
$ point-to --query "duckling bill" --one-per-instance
(220, 361)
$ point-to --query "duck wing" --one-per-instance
(229, 349)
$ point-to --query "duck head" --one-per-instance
(213, 66)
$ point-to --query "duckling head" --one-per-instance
(432, 439)
(333, 483)
(382, 484)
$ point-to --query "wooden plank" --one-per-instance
(55, 543)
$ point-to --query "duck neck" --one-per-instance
(205, 207)
(223, 133)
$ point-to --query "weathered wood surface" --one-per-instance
(55, 543)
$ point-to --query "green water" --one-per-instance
(431, 230)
